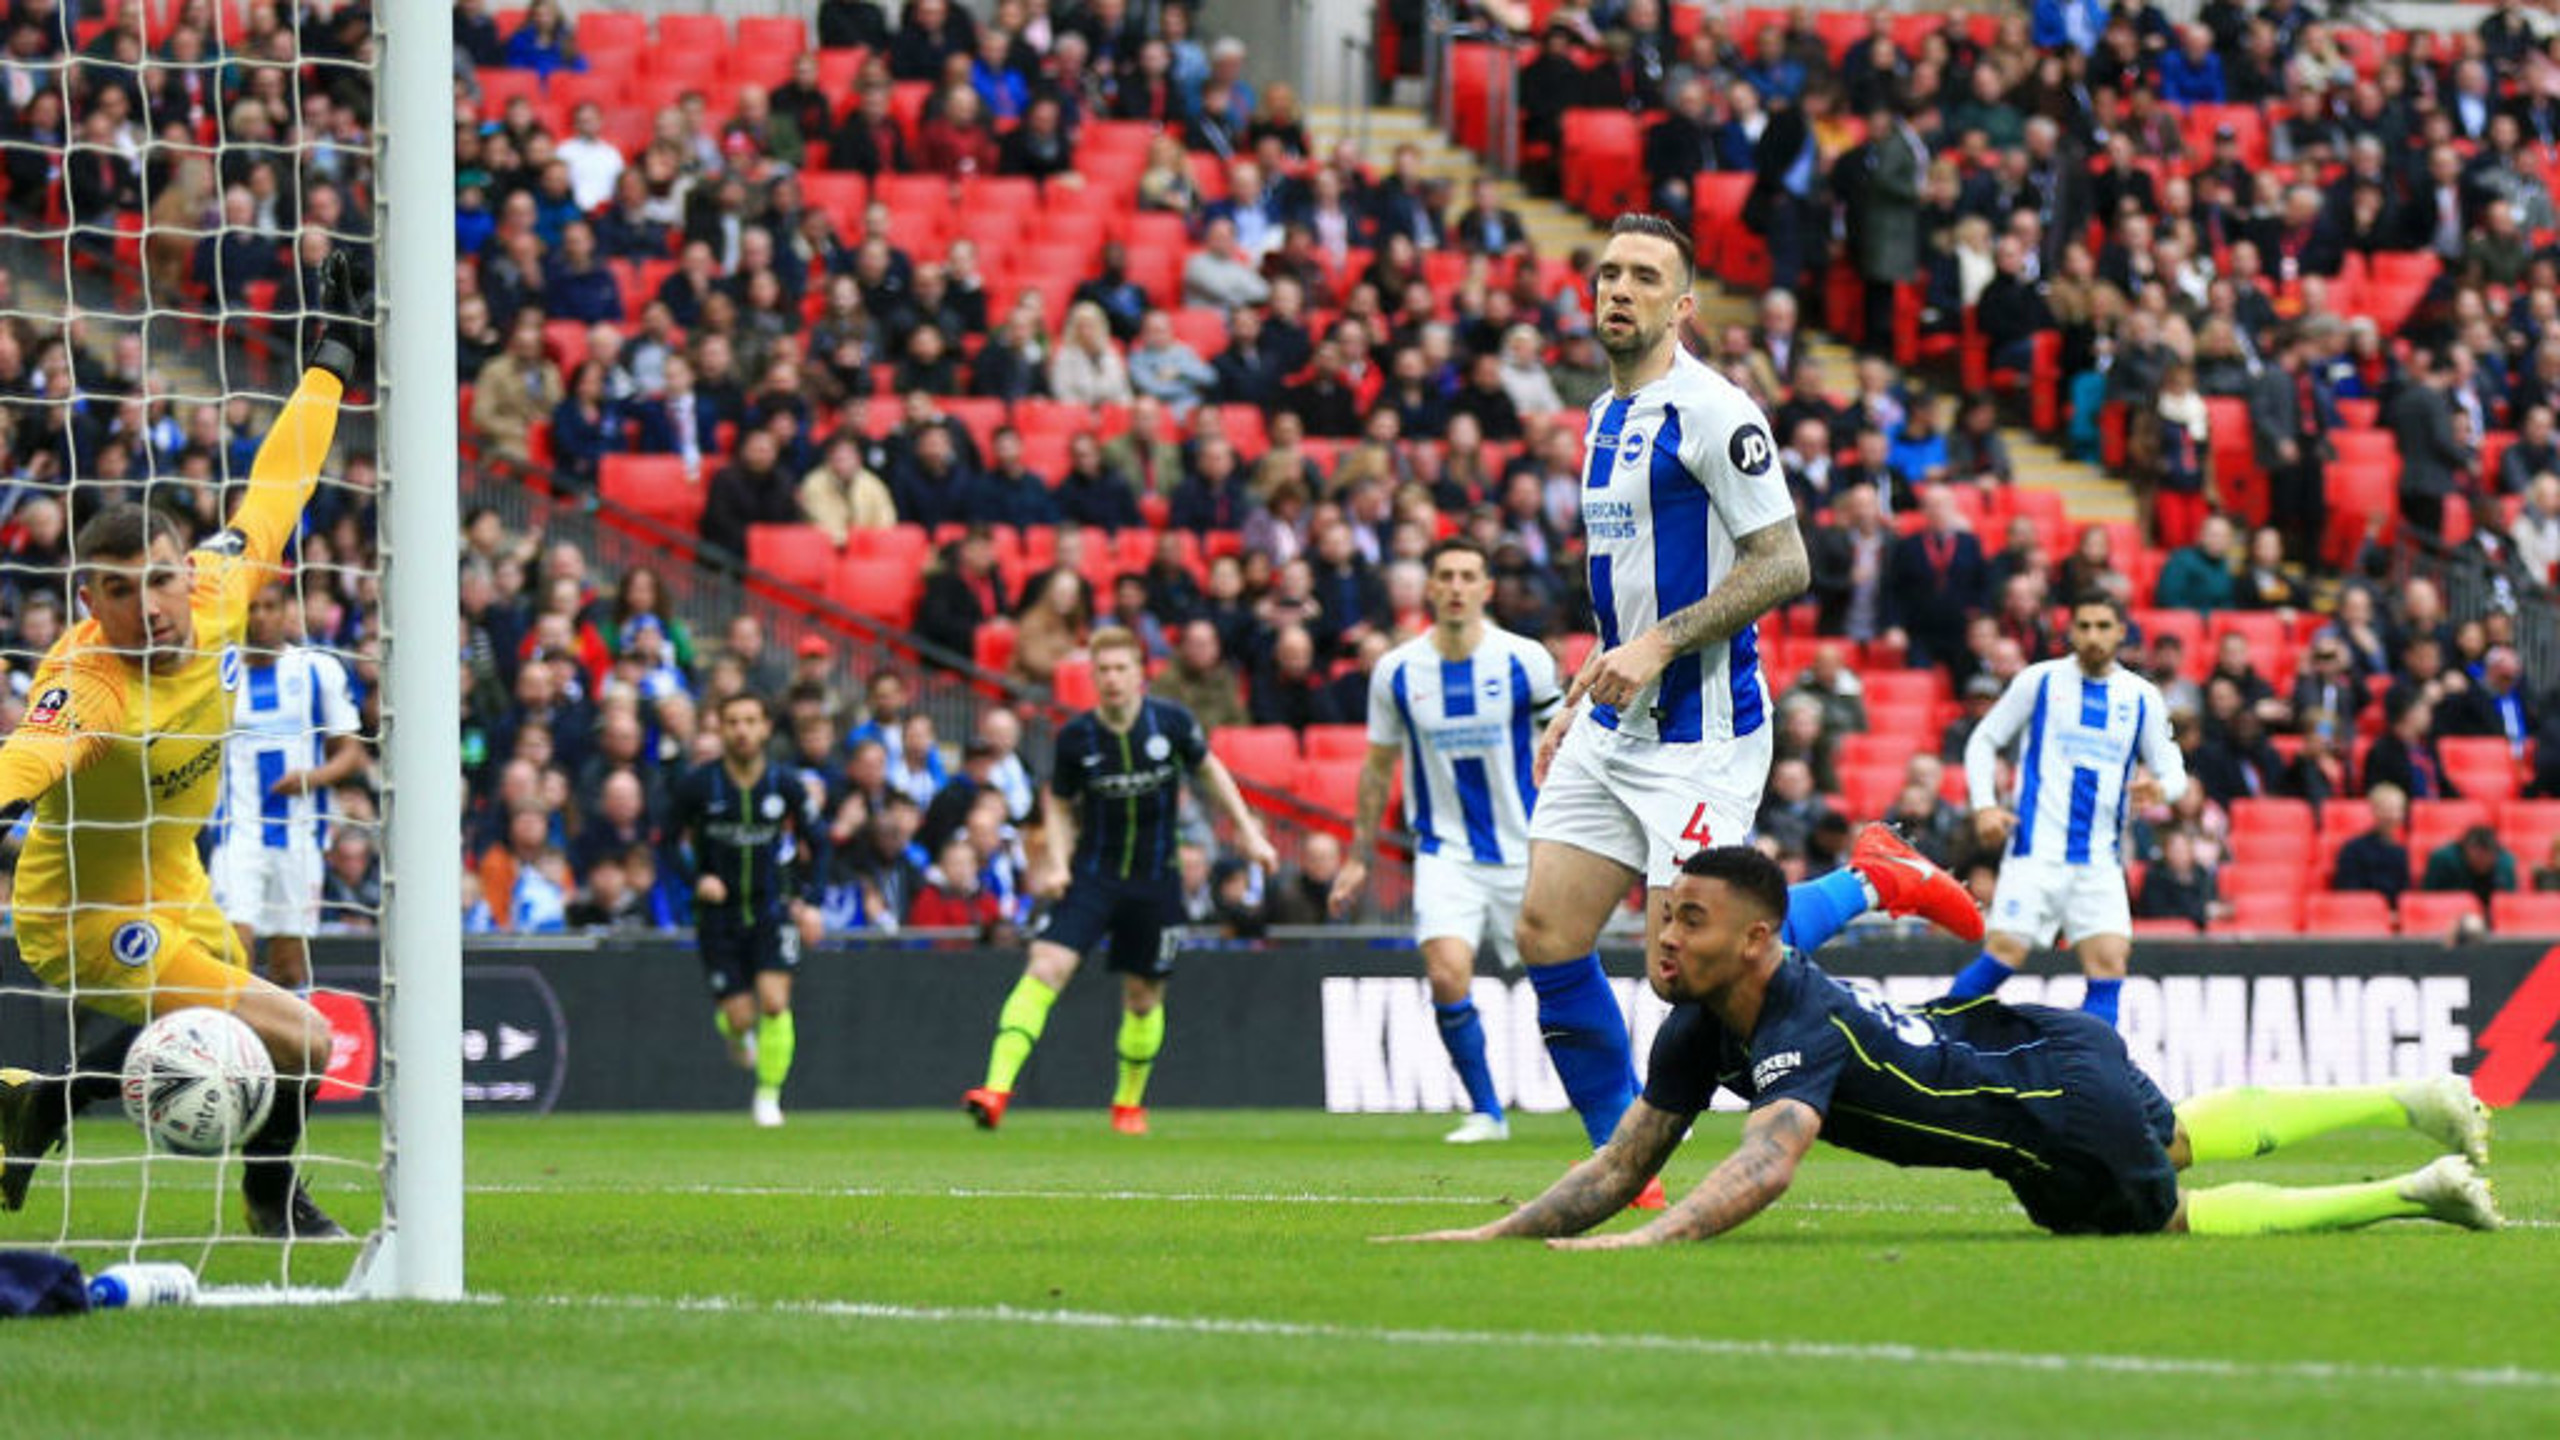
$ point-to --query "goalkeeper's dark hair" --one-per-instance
(1637, 222)
(1747, 872)
(124, 531)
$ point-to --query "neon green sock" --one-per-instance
(2253, 1209)
(2250, 1120)
(1141, 1037)
(1018, 1026)
(776, 1038)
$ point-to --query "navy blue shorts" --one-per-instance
(734, 951)
(2108, 1169)
(1139, 920)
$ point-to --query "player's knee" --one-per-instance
(1544, 941)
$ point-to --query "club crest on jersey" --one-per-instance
(134, 943)
(1750, 450)
(1158, 747)
(773, 807)
(48, 707)
(1631, 447)
(231, 667)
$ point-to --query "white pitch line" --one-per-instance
(2306, 1371)
(1172, 1197)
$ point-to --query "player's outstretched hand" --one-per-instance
(342, 323)
(1348, 882)
(2146, 792)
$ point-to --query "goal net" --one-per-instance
(173, 173)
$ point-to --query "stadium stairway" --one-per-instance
(2089, 494)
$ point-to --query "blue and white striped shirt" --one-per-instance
(2082, 736)
(1469, 732)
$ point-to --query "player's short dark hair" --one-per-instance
(2087, 598)
(748, 697)
(124, 531)
(1638, 222)
(1748, 872)
(1455, 545)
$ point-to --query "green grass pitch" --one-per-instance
(903, 1274)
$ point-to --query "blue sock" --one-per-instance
(1462, 1031)
(1983, 977)
(2101, 999)
(1820, 909)
(1586, 1036)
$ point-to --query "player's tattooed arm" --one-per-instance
(1604, 1184)
(1744, 1184)
(1770, 568)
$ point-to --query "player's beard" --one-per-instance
(1636, 342)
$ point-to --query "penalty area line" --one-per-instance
(2484, 1378)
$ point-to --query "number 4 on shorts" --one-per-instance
(1695, 832)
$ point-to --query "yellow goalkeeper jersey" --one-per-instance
(124, 763)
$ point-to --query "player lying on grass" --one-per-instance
(121, 754)
(2045, 1099)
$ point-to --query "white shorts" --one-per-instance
(1648, 805)
(2036, 897)
(273, 892)
(1457, 899)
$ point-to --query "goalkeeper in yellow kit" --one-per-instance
(121, 755)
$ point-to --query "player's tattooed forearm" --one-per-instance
(1375, 781)
(1769, 569)
(1602, 1185)
(1756, 1173)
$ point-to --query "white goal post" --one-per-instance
(418, 1252)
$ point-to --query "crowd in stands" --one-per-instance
(1069, 309)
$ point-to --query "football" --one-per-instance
(198, 1082)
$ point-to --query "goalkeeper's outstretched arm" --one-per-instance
(281, 479)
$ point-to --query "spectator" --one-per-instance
(2496, 706)
(751, 490)
(1086, 368)
(2175, 887)
(2475, 862)
(2404, 755)
(1200, 680)
(2198, 577)
(516, 391)
(1288, 689)
(544, 44)
(957, 141)
(1851, 559)
(1056, 621)
(841, 495)
(2421, 422)
(1161, 366)
(962, 592)
(2377, 860)
(1937, 578)
(952, 895)
(1829, 682)
(933, 482)
(586, 427)
(1791, 809)
(1302, 894)
(1215, 495)
(2546, 876)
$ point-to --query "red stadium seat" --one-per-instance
(2354, 913)
(841, 196)
(2525, 914)
(2527, 828)
(2436, 823)
(2277, 877)
(884, 590)
(2433, 914)
(2279, 913)
(611, 30)
(654, 486)
(697, 34)
(1071, 684)
(1336, 742)
(779, 34)
(1266, 754)
(1330, 785)
(797, 555)
(2284, 825)
(992, 646)
(2481, 767)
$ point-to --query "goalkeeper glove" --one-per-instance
(341, 333)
